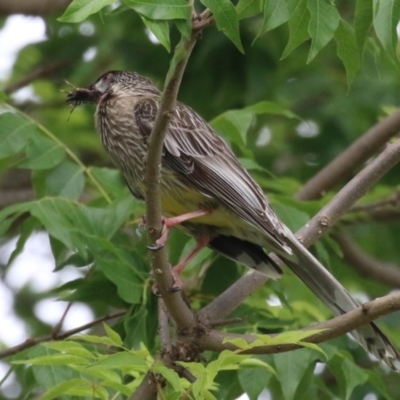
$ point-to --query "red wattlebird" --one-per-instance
(206, 190)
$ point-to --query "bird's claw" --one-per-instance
(176, 286)
(156, 247)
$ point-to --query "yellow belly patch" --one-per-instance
(184, 203)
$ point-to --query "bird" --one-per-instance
(206, 192)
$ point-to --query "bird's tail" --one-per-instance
(324, 285)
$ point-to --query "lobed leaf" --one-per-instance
(161, 9)
(14, 132)
(291, 368)
(66, 180)
(226, 19)
(386, 15)
(276, 13)
(160, 30)
(362, 22)
(248, 8)
(322, 26)
(347, 50)
(79, 10)
(298, 27)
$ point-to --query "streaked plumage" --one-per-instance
(200, 171)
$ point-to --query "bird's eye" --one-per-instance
(108, 77)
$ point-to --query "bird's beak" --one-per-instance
(84, 95)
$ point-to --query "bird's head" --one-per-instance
(115, 81)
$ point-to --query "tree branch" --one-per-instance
(44, 71)
(56, 335)
(178, 309)
(29, 7)
(147, 390)
(366, 265)
(311, 232)
(359, 152)
(331, 329)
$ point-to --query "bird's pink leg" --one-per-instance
(169, 223)
(178, 268)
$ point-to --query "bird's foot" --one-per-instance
(169, 223)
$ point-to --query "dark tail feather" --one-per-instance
(325, 286)
(246, 253)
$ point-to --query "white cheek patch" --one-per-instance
(101, 86)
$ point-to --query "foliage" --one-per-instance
(288, 79)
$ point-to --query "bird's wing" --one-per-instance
(194, 150)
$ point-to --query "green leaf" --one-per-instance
(270, 107)
(26, 230)
(292, 217)
(62, 388)
(347, 374)
(79, 10)
(184, 27)
(54, 359)
(3, 96)
(234, 125)
(226, 19)
(362, 22)
(128, 277)
(42, 153)
(378, 383)
(15, 132)
(254, 362)
(47, 376)
(253, 381)
(170, 375)
(110, 179)
(276, 13)
(68, 221)
(298, 27)
(135, 326)
(354, 375)
(114, 337)
(164, 9)
(347, 50)
(291, 368)
(122, 360)
(248, 8)
(70, 347)
(323, 24)
(386, 18)
(160, 30)
(94, 339)
(66, 180)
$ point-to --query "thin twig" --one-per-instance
(393, 200)
(343, 166)
(60, 336)
(58, 327)
(43, 71)
(366, 265)
(335, 327)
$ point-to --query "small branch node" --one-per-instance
(168, 114)
(325, 220)
(365, 308)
